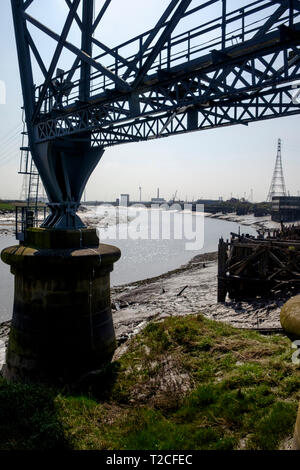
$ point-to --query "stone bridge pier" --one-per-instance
(62, 324)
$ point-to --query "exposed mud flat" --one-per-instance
(260, 223)
(188, 290)
(90, 216)
(263, 222)
(7, 223)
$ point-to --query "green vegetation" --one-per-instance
(184, 383)
(7, 206)
(238, 206)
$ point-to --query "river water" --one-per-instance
(151, 243)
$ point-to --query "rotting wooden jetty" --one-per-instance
(249, 266)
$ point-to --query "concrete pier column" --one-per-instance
(62, 324)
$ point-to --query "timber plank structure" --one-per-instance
(249, 266)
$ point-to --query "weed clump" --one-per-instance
(184, 383)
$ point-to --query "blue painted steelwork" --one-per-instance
(238, 66)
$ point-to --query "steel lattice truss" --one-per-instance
(277, 188)
(239, 64)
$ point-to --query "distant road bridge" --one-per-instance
(240, 63)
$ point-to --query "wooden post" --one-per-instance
(222, 261)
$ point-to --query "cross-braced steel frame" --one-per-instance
(239, 64)
(174, 83)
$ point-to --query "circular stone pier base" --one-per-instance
(62, 324)
(290, 321)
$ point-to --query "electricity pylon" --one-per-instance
(277, 187)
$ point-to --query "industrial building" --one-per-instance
(285, 208)
(158, 199)
(124, 200)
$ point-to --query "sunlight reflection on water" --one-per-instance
(140, 259)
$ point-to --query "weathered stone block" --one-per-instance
(290, 316)
(62, 324)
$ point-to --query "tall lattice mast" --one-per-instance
(277, 187)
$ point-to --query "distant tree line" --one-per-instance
(237, 206)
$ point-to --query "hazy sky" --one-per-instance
(206, 164)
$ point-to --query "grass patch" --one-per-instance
(7, 207)
(28, 418)
(185, 383)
